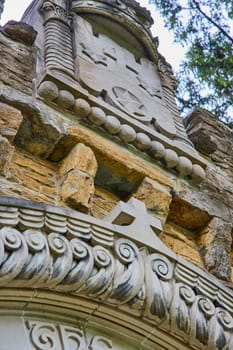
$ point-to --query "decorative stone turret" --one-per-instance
(115, 233)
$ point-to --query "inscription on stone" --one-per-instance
(49, 336)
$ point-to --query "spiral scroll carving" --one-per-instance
(45, 252)
(161, 266)
(225, 319)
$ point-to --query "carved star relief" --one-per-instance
(130, 102)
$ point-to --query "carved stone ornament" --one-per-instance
(128, 9)
(102, 53)
(119, 262)
(48, 336)
(111, 71)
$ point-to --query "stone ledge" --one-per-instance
(172, 155)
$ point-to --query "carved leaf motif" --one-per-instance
(129, 275)
(159, 272)
(37, 263)
(61, 258)
(221, 328)
(201, 311)
(102, 273)
(13, 255)
(180, 308)
(81, 267)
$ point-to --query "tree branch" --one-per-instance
(212, 21)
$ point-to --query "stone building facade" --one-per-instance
(115, 217)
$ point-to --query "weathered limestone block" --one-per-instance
(186, 214)
(78, 170)
(215, 242)
(81, 157)
(30, 178)
(20, 31)
(10, 120)
(77, 190)
(6, 153)
(18, 63)
(210, 136)
(156, 197)
(42, 126)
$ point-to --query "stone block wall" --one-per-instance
(81, 169)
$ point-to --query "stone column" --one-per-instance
(58, 37)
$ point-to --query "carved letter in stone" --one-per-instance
(100, 343)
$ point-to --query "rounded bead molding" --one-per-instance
(184, 166)
(48, 90)
(127, 133)
(65, 99)
(198, 173)
(171, 158)
(82, 109)
(97, 116)
(112, 125)
(142, 141)
(157, 150)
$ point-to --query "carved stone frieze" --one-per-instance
(52, 248)
(49, 336)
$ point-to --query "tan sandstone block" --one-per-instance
(156, 197)
(103, 202)
(182, 243)
(119, 159)
(10, 120)
(80, 157)
(6, 153)
(77, 190)
(35, 164)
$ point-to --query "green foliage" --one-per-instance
(206, 74)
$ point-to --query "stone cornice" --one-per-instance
(57, 249)
(128, 9)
